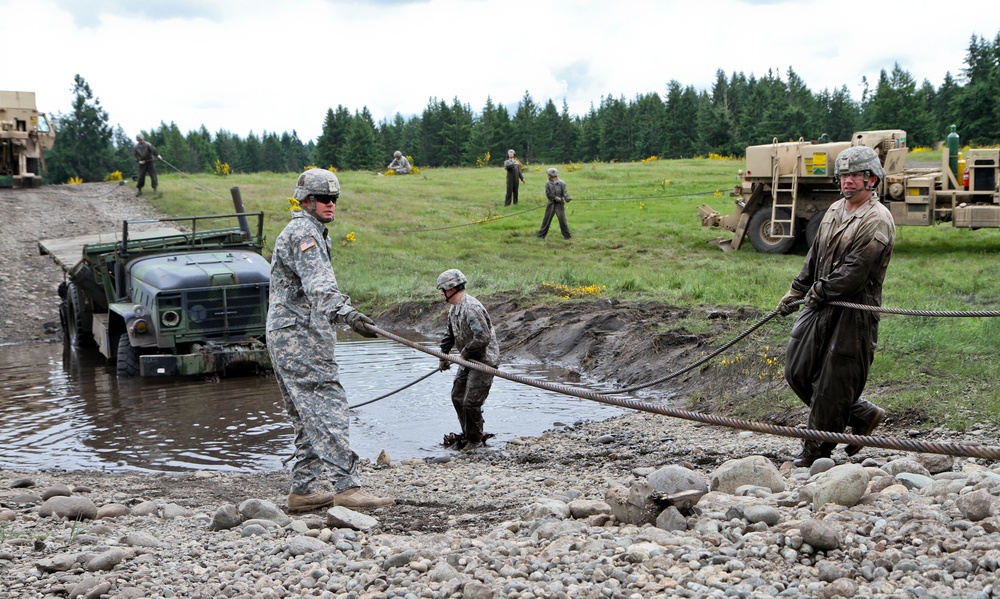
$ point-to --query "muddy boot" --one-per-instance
(473, 425)
(354, 498)
(138, 193)
(156, 194)
(307, 502)
(865, 418)
(811, 451)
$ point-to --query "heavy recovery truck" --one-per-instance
(24, 134)
(786, 188)
(165, 301)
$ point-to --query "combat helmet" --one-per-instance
(857, 159)
(450, 279)
(316, 181)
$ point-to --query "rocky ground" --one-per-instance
(638, 506)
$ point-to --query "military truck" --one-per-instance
(175, 298)
(24, 134)
(786, 187)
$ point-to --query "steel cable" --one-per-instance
(406, 386)
(954, 449)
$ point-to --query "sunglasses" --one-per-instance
(325, 199)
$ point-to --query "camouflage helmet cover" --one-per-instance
(450, 279)
(553, 172)
(139, 137)
(397, 153)
(858, 159)
(316, 181)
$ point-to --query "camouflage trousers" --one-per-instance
(145, 168)
(308, 379)
(468, 394)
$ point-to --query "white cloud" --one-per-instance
(264, 66)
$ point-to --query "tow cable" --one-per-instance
(895, 443)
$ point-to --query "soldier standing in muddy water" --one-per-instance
(144, 153)
(514, 178)
(471, 331)
(305, 303)
(832, 347)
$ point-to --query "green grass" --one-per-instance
(647, 247)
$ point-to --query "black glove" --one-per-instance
(785, 306)
(444, 365)
(357, 321)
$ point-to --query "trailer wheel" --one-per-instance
(76, 330)
(812, 227)
(128, 358)
(762, 233)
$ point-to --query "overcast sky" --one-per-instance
(265, 65)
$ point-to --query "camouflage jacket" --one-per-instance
(303, 285)
(471, 331)
(513, 169)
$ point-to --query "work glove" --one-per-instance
(785, 306)
(812, 300)
(357, 321)
(444, 365)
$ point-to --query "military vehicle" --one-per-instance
(178, 297)
(24, 134)
(786, 187)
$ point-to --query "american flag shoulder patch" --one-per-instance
(308, 243)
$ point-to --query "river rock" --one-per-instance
(73, 508)
(751, 470)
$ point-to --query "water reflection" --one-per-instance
(70, 410)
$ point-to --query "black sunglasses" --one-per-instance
(325, 199)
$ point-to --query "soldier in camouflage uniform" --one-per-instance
(144, 153)
(471, 331)
(305, 304)
(399, 163)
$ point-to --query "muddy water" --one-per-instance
(68, 410)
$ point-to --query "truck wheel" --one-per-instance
(762, 234)
(76, 331)
(812, 227)
(128, 358)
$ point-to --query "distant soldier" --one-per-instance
(558, 195)
(470, 330)
(399, 163)
(144, 153)
(514, 178)
(305, 303)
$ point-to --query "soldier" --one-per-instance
(558, 195)
(471, 331)
(144, 152)
(832, 347)
(514, 178)
(399, 163)
(305, 304)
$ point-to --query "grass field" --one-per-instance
(636, 235)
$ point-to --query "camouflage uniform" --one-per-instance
(558, 195)
(304, 304)
(401, 165)
(145, 153)
(514, 179)
(832, 348)
(471, 330)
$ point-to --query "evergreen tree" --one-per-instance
(297, 155)
(83, 147)
(250, 159)
(203, 154)
(457, 128)
(360, 149)
(227, 150)
(272, 154)
(524, 128)
(648, 115)
(331, 140)
(896, 105)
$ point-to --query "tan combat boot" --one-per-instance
(309, 501)
(355, 498)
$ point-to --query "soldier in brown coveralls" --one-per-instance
(514, 178)
(305, 304)
(144, 153)
(832, 347)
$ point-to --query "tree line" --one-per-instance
(737, 111)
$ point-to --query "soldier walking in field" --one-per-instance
(558, 195)
(514, 178)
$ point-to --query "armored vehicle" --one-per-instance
(177, 297)
(24, 134)
(786, 187)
